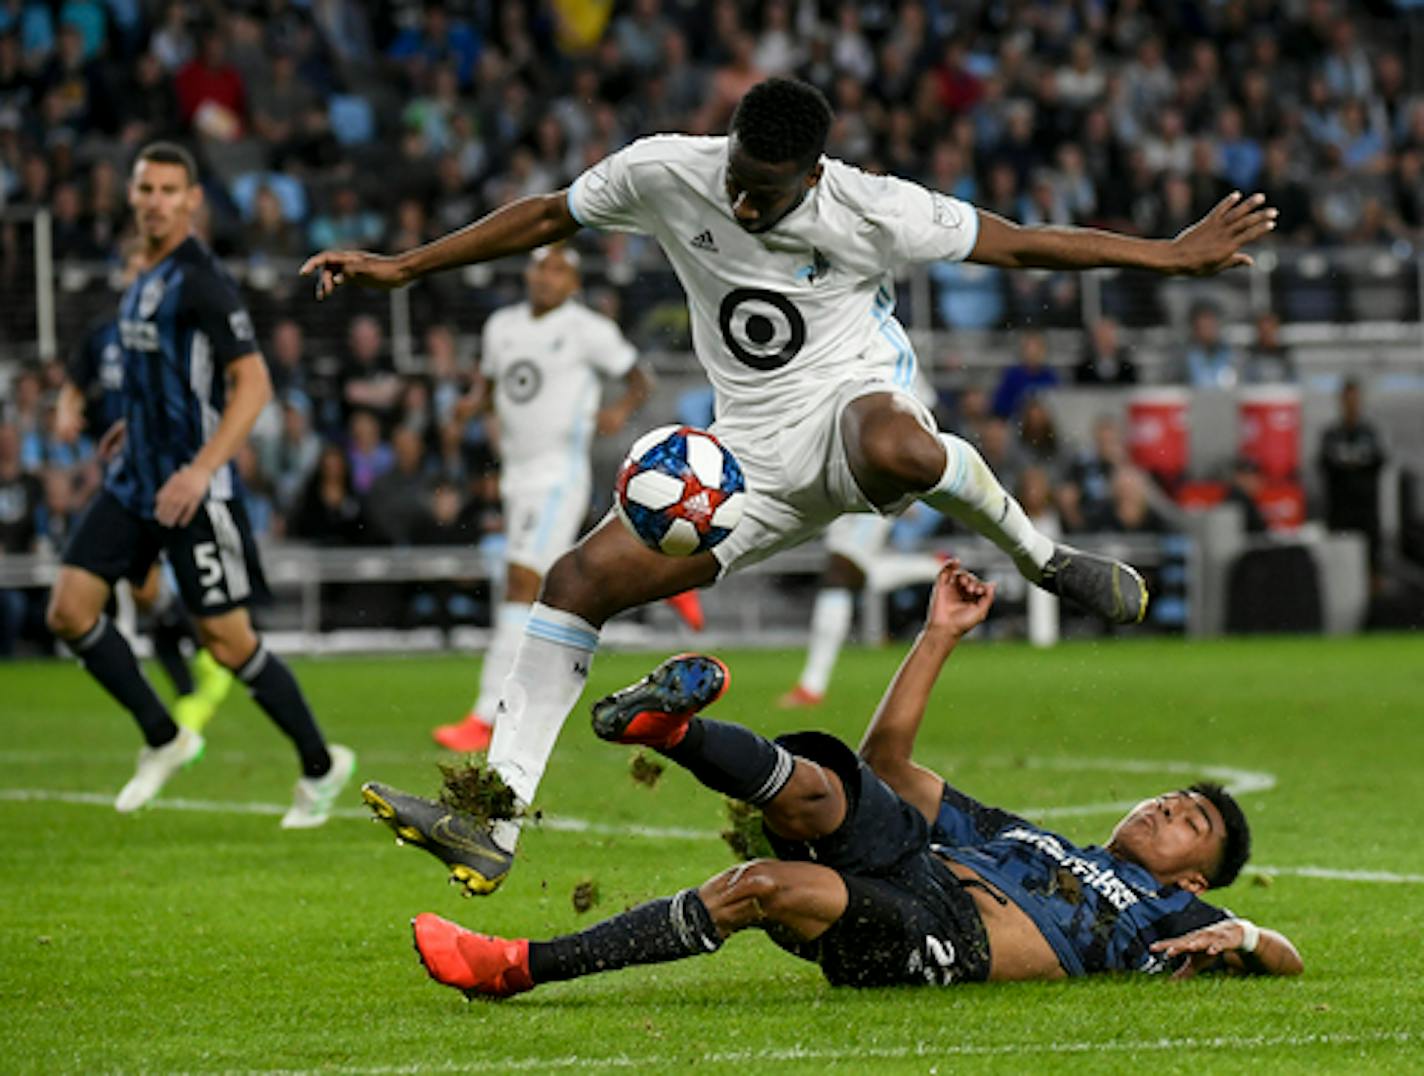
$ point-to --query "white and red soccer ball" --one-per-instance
(680, 490)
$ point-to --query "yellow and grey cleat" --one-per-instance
(1111, 588)
(458, 840)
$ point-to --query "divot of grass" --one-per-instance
(477, 790)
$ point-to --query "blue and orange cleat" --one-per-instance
(479, 965)
(655, 711)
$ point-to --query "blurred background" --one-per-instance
(1255, 441)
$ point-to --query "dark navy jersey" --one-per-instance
(1098, 912)
(97, 370)
(180, 325)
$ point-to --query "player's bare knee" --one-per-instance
(739, 897)
(842, 573)
(889, 451)
(64, 619)
(573, 585)
(812, 805)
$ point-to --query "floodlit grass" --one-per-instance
(211, 940)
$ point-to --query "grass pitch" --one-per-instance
(197, 936)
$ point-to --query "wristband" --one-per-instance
(1250, 936)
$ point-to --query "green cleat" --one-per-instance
(213, 681)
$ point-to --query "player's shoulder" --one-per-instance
(675, 150)
(202, 267)
(870, 191)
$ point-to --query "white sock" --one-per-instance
(830, 624)
(891, 571)
(509, 621)
(969, 492)
(546, 680)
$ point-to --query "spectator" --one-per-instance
(396, 502)
(1352, 455)
(368, 378)
(212, 98)
(1085, 498)
(1209, 361)
(290, 458)
(268, 235)
(1105, 360)
(1030, 374)
(1244, 491)
(1038, 436)
(346, 223)
(368, 455)
(1132, 511)
(437, 40)
(21, 495)
(330, 512)
(1268, 361)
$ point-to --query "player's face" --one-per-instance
(762, 194)
(163, 200)
(1177, 836)
(550, 278)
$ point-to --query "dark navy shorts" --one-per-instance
(909, 920)
(214, 557)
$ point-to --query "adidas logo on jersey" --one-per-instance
(704, 241)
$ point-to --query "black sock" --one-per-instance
(170, 629)
(652, 933)
(275, 690)
(733, 760)
(111, 661)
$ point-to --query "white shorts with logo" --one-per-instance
(798, 477)
(542, 519)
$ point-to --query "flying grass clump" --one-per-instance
(744, 834)
(477, 790)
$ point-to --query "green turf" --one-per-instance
(214, 941)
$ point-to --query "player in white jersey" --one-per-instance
(540, 366)
(787, 259)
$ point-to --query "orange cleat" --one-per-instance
(655, 711)
(799, 698)
(688, 607)
(477, 964)
(471, 734)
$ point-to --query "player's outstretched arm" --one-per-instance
(1270, 951)
(1210, 245)
(516, 228)
(960, 601)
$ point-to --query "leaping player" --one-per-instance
(788, 259)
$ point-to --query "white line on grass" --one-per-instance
(928, 1051)
(565, 824)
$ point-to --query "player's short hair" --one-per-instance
(169, 153)
(1236, 848)
(783, 119)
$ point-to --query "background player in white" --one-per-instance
(788, 260)
(540, 363)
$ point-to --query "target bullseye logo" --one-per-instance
(523, 381)
(762, 329)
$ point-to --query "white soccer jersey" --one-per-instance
(781, 318)
(545, 372)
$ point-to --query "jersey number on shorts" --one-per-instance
(761, 328)
(210, 571)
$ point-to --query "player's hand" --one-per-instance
(334, 268)
(178, 500)
(1203, 947)
(1214, 243)
(960, 600)
(113, 441)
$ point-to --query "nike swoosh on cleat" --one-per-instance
(442, 832)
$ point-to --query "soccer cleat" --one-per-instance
(155, 766)
(467, 736)
(194, 711)
(800, 698)
(688, 607)
(655, 711)
(477, 964)
(1110, 588)
(314, 797)
(457, 840)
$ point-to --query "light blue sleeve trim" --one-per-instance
(569, 198)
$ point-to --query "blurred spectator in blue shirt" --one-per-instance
(1210, 362)
(1027, 376)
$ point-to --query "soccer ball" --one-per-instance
(679, 490)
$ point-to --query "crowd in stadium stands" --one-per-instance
(382, 123)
